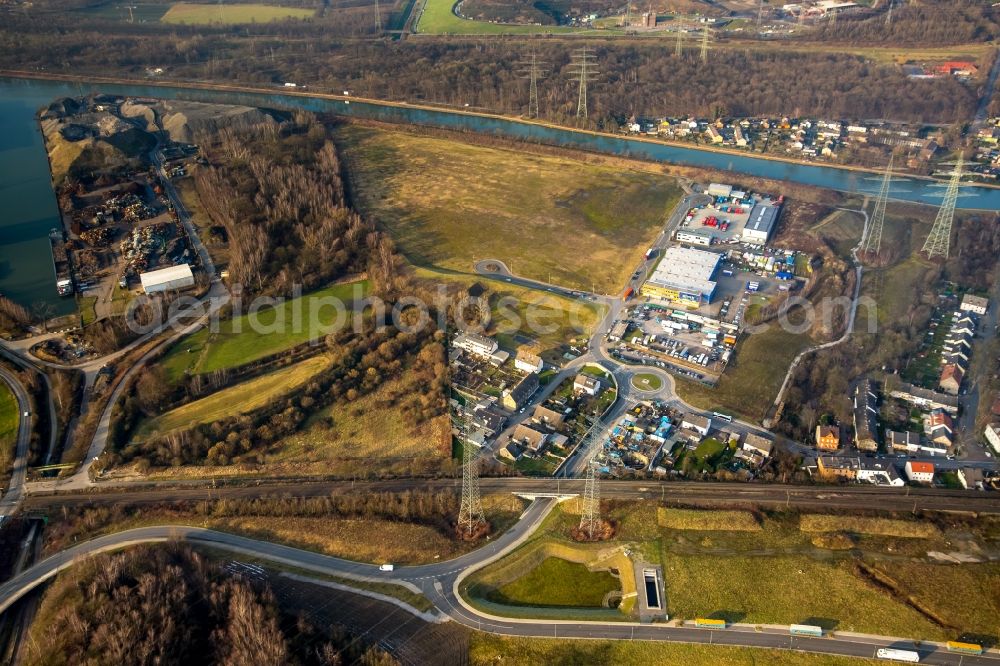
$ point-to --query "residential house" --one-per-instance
(755, 449)
(713, 135)
(549, 417)
(992, 435)
(488, 419)
(951, 379)
(525, 361)
(866, 416)
(971, 478)
(903, 442)
(586, 384)
(878, 472)
(838, 467)
(532, 439)
(510, 451)
(480, 345)
(975, 304)
(919, 472)
(926, 399)
(514, 398)
(696, 422)
(827, 437)
(938, 427)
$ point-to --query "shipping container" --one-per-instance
(805, 630)
(964, 648)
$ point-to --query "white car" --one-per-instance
(386, 567)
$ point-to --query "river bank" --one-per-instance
(477, 113)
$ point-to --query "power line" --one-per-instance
(590, 520)
(532, 70)
(470, 515)
(871, 243)
(939, 240)
(584, 70)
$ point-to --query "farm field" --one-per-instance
(237, 399)
(9, 422)
(277, 329)
(761, 362)
(486, 649)
(199, 14)
(449, 204)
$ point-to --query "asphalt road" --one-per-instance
(19, 472)
(440, 582)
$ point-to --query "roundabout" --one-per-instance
(647, 382)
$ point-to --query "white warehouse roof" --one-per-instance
(687, 269)
(762, 220)
(153, 279)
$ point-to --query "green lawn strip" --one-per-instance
(10, 419)
(486, 649)
(238, 399)
(647, 381)
(228, 14)
(268, 331)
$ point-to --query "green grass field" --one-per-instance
(238, 399)
(647, 381)
(438, 18)
(274, 329)
(753, 380)
(490, 649)
(449, 204)
(557, 582)
(10, 418)
(764, 569)
(199, 14)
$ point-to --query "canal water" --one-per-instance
(28, 208)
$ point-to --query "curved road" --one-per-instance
(440, 582)
(19, 472)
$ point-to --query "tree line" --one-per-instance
(170, 605)
(636, 77)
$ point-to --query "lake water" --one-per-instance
(28, 208)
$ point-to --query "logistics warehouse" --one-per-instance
(685, 276)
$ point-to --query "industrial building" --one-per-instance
(694, 236)
(166, 279)
(684, 276)
(761, 224)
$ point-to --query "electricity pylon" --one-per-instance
(378, 18)
(871, 243)
(532, 70)
(590, 519)
(939, 240)
(679, 45)
(704, 45)
(628, 14)
(760, 14)
(583, 69)
(888, 15)
(470, 514)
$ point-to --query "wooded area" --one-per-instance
(169, 605)
(927, 23)
(636, 77)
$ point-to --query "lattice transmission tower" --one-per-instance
(590, 519)
(939, 240)
(679, 44)
(584, 70)
(378, 18)
(470, 514)
(532, 69)
(871, 242)
(704, 45)
(888, 14)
